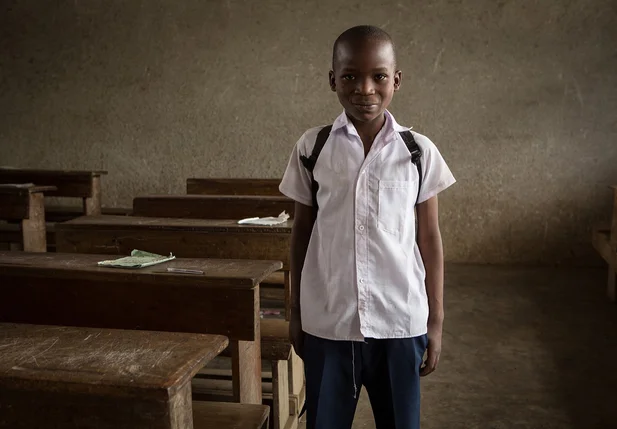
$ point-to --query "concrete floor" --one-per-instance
(528, 348)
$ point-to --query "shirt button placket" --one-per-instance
(362, 247)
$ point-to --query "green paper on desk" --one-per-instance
(138, 259)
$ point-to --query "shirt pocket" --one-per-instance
(393, 205)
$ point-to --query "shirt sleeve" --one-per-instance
(296, 183)
(436, 175)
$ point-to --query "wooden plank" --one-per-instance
(280, 396)
(55, 213)
(77, 358)
(11, 233)
(15, 200)
(275, 339)
(246, 364)
(296, 374)
(33, 228)
(218, 415)
(220, 186)
(25, 203)
(99, 378)
(211, 206)
(92, 204)
(68, 183)
(205, 238)
(147, 299)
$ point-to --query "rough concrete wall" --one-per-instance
(520, 96)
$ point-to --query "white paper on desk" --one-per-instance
(268, 221)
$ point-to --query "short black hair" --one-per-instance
(362, 32)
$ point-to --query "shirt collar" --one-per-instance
(342, 121)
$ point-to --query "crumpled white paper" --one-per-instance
(268, 221)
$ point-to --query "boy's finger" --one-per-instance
(429, 365)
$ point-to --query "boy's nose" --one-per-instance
(365, 87)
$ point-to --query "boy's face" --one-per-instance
(364, 78)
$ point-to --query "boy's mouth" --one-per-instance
(366, 107)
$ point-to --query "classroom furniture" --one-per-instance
(54, 377)
(235, 186)
(23, 203)
(211, 206)
(197, 238)
(70, 289)
(205, 238)
(85, 185)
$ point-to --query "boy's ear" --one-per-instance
(332, 80)
(398, 76)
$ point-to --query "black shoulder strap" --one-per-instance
(309, 162)
(416, 155)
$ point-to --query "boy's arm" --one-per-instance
(300, 236)
(431, 249)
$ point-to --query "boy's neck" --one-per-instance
(368, 130)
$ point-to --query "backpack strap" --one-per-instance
(416, 155)
(309, 162)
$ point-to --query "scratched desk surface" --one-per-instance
(84, 358)
(216, 272)
(213, 225)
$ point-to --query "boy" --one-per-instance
(367, 293)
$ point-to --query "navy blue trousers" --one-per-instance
(388, 369)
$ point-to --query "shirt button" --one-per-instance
(361, 280)
(361, 227)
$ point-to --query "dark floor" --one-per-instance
(532, 348)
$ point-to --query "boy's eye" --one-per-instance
(381, 76)
(348, 77)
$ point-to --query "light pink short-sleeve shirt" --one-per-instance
(363, 275)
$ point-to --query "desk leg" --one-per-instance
(246, 362)
(246, 371)
(181, 407)
(92, 205)
(33, 228)
(280, 393)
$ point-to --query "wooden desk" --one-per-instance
(70, 289)
(218, 186)
(24, 203)
(189, 238)
(211, 206)
(67, 377)
(79, 184)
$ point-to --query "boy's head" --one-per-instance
(364, 74)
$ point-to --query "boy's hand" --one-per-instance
(296, 335)
(434, 348)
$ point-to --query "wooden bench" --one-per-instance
(24, 203)
(191, 238)
(54, 377)
(58, 213)
(77, 184)
(211, 206)
(218, 415)
(605, 242)
(218, 186)
(224, 301)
